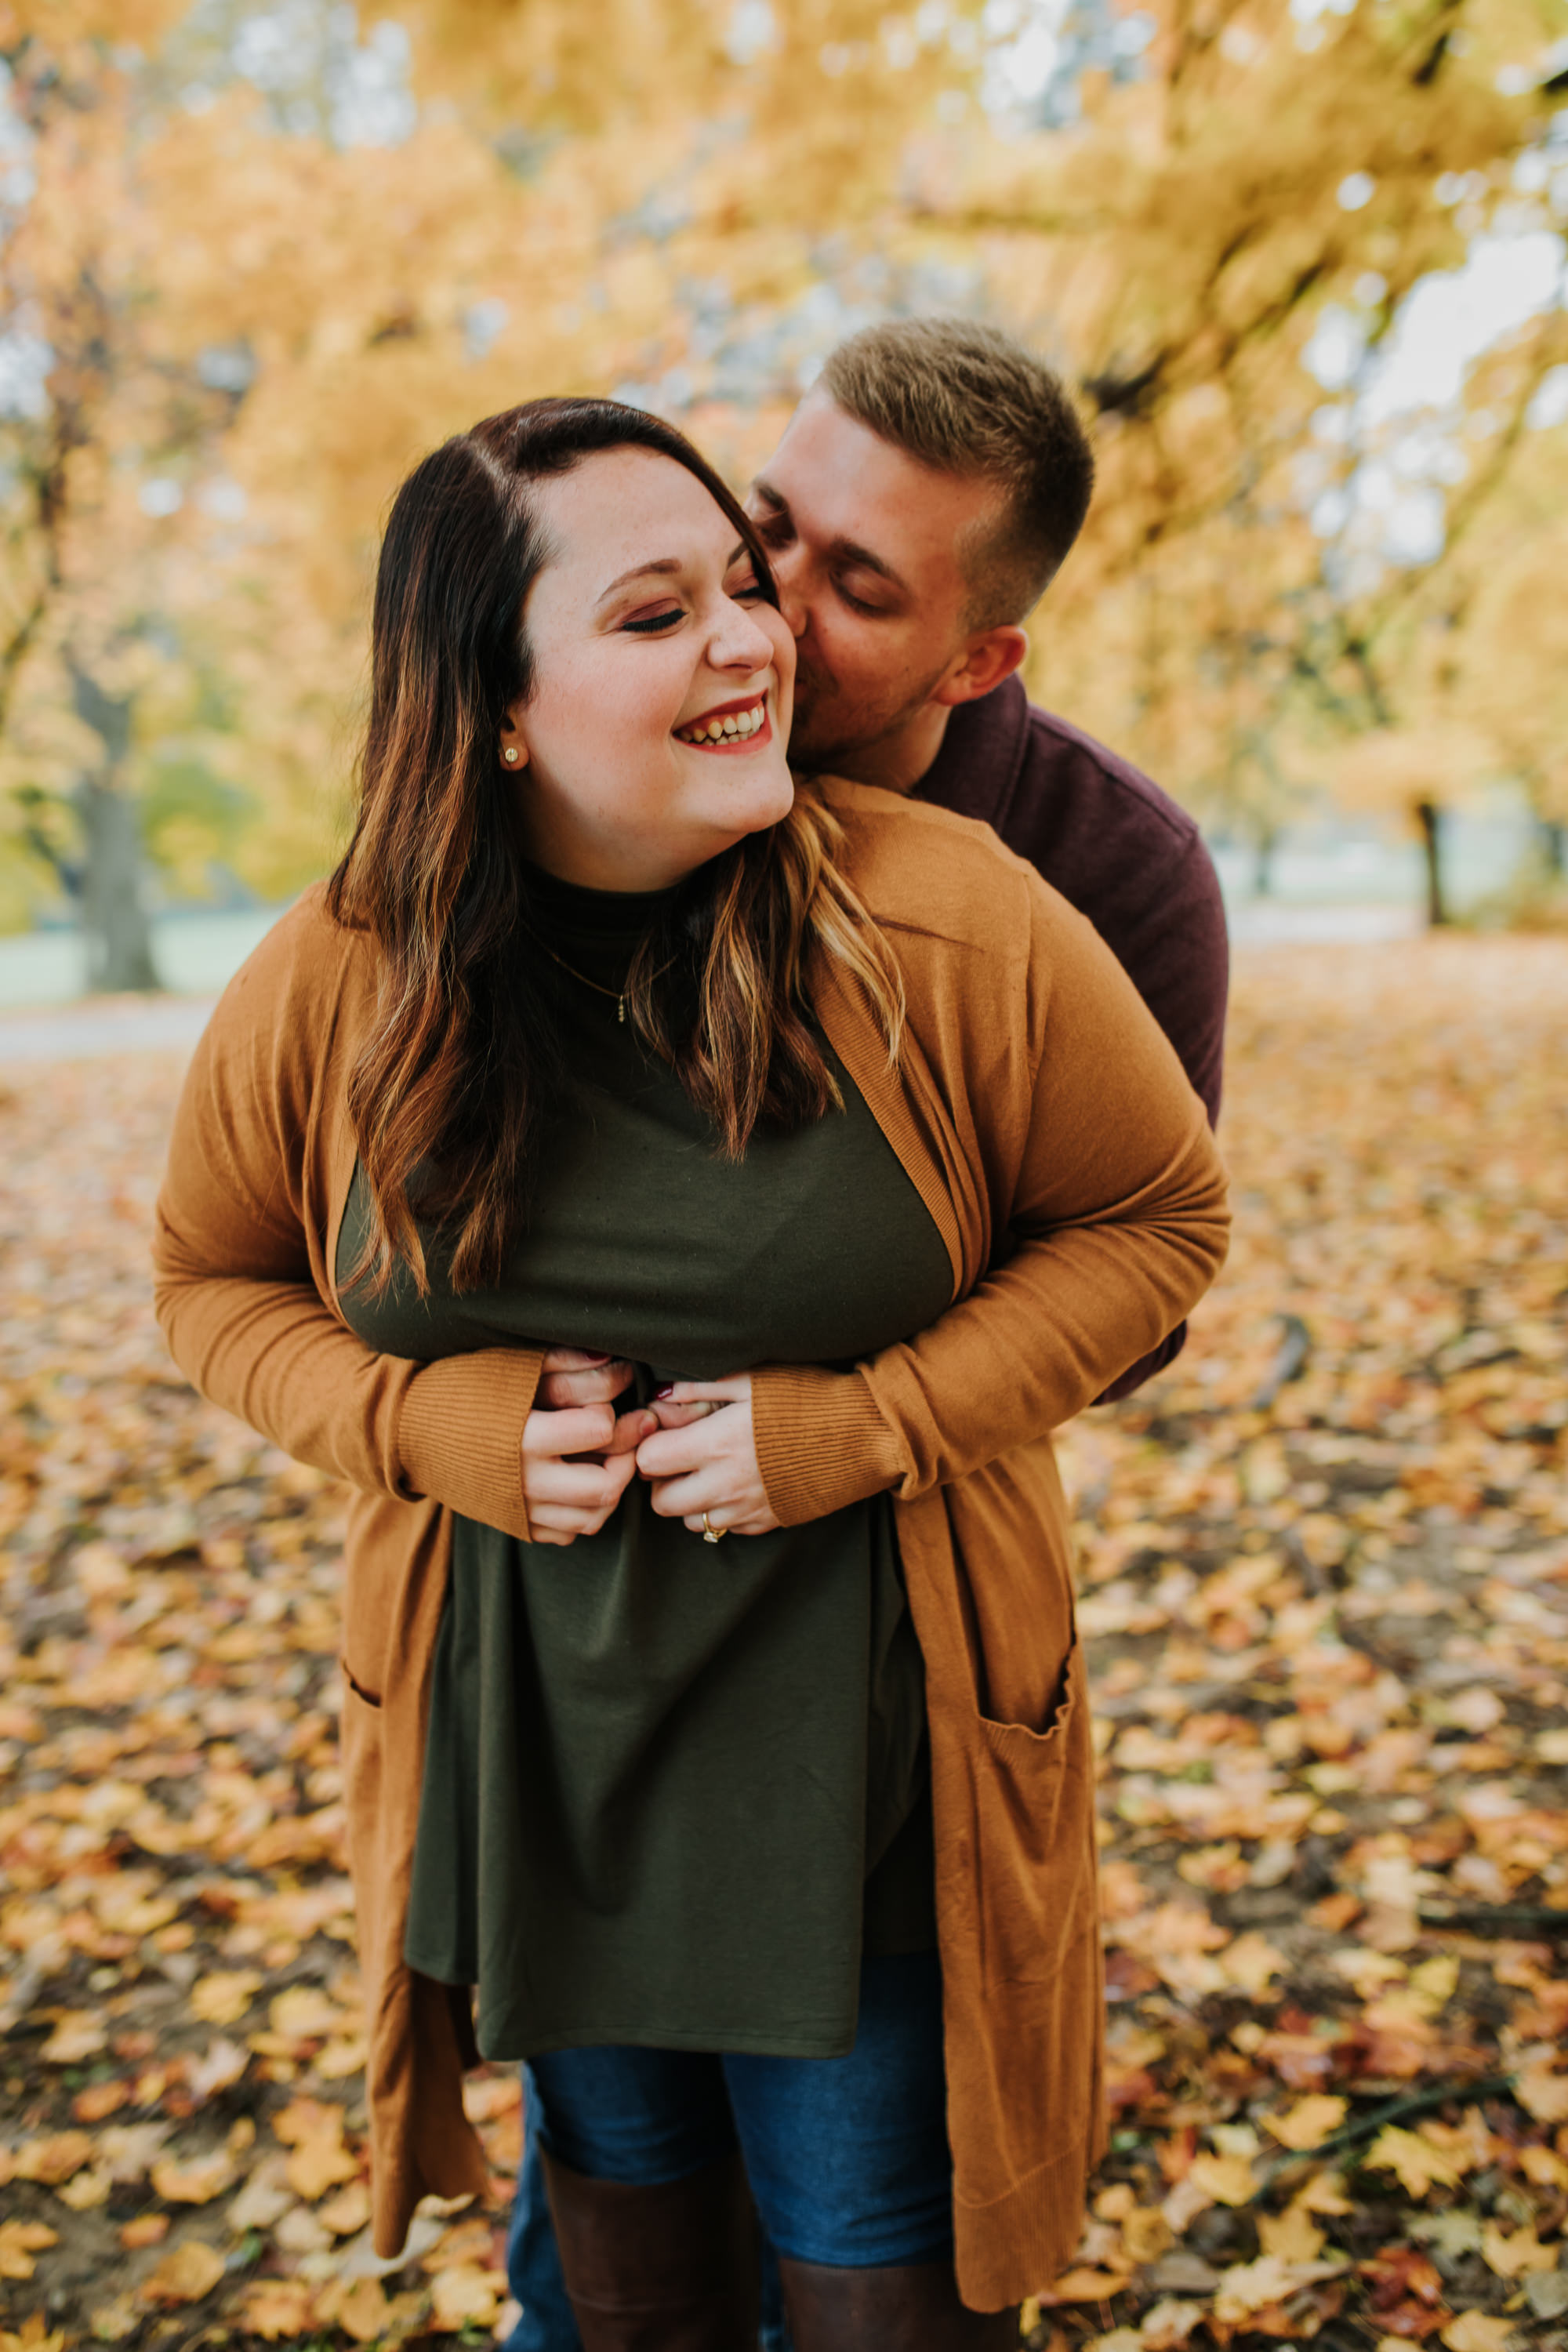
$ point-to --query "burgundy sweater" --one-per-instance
(1121, 852)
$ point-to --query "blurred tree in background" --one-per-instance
(1304, 262)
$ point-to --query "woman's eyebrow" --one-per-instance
(640, 571)
(665, 564)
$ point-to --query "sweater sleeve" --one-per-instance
(1116, 1227)
(1185, 956)
(240, 1304)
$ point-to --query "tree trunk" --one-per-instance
(1555, 848)
(113, 916)
(1429, 818)
(1264, 846)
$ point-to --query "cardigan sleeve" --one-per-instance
(238, 1301)
(1115, 1228)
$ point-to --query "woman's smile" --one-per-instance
(740, 726)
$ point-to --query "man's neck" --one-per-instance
(898, 759)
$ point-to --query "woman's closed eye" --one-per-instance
(648, 624)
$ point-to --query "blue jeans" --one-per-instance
(847, 2157)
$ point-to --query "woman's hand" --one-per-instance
(704, 1458)
(577, 1463)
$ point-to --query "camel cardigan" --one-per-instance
(1050, 1130)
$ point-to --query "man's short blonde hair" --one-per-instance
(964, 398)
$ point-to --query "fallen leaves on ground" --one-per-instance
(182, 2124)
(1325, 1594)
(19, 2242)
(186, 2273)
(35, 2334)
(1309, 2122)
(1325, 1599)
(313, 2130)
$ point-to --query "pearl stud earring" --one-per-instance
(510, 755)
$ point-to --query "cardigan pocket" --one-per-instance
(1034, 1794)
(362, 1734)
(356, 1686)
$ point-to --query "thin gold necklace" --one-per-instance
(599, 987)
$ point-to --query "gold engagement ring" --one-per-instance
(711, 1534)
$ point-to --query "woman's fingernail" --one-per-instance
(667, 1389)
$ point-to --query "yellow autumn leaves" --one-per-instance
(1309, 2121)
(205, 551)
(224, 1997)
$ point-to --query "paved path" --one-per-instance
(113, 1024)
(129, 1024)
(1266, 923)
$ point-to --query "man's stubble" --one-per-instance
(833, 729)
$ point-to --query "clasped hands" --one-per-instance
(693, 1444)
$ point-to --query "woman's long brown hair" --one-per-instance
(464, 1065)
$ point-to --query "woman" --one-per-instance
(831, 1117)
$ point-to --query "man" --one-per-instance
(923, 496)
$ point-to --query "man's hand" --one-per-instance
(704, 1458)
(582, 1376)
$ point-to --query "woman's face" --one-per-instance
(655, 736)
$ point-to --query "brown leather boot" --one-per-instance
(668, 2268)
(895, 2307)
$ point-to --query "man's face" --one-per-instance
(868, 546)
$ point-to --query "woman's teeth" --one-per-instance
(732, 727)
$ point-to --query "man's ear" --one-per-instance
(988, 658)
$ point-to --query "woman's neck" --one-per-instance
(595, 934)
(612, 862)
(555, 899)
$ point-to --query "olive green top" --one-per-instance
(671, 1787)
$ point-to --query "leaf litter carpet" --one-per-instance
(1325, 1598)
